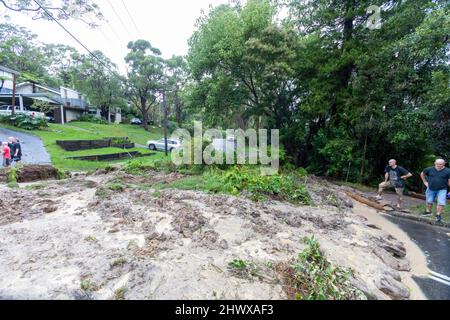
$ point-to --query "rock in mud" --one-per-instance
(293, 220)
(392, 245)
(50, 209)
(187, 222)
(392, 261)
(393, 288)
(223, 244)
(345, 200)
(207, 239)
(328, 222)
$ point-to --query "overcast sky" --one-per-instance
(167, 24)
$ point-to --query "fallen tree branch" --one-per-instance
(368, 202)
(417, 195)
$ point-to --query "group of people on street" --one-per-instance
(11, 151)
(436, 179)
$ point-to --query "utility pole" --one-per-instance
(13, 104)
(165, 121)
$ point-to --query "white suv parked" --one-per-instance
(160, 144)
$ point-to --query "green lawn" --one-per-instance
(92, 131)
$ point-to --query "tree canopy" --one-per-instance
(343, 95)
(59, 9)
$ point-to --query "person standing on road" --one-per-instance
(6, 154)
(396, 176)
(436, 179)
(16, 150)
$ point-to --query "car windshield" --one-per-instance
(4, 107)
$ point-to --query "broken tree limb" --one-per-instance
(368, 202)
(417, 195)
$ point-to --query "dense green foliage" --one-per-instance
(345, 98)
(24, 121)
(235, 180)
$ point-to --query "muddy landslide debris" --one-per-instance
(61, 239)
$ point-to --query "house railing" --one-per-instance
(74, 103)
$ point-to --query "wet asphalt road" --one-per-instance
(33, 150)
(435, 243)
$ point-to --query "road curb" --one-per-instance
(418, 219)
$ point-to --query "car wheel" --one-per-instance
(170, 150)
(152, 147)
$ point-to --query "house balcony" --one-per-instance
(78, 104)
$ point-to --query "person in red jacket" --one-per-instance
(6, 154)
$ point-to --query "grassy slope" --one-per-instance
(91, 131)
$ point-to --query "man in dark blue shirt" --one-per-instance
(436, 179)
(396, 176)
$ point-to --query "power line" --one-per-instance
(105, 36)
(75, 38)
(131, 18)
(112, 30)
(120, 19)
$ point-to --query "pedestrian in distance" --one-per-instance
(437, 180)
(394, 177)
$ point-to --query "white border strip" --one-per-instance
(447, 283)
(439, 275)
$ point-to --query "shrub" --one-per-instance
(60, 175)
(24, 121)
(93, 119)
(172, 126)
(118, 262)
(116, 186)
(312, 277)
(134, 166)
(119, 294)
(238, 179)
(11, 175)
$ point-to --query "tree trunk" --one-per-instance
(363, 160)
(144, 111)
(241, 123)
(177, 108)
(165, 123)
(104, 111)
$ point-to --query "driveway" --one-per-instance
(33, 150)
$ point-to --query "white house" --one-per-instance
(6, 79)
(69, 104)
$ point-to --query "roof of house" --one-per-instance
(55, 91)
(5, 69)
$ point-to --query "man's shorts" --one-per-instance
(440, 194)
(387, 185)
